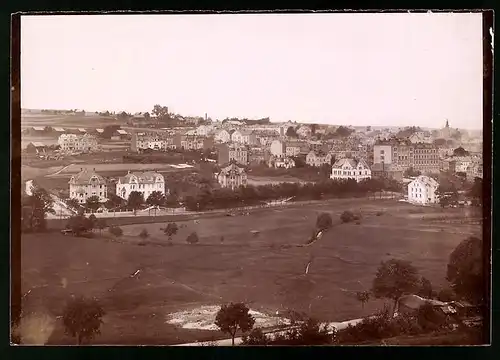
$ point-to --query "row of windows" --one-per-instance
(101, 193)
(351, 173)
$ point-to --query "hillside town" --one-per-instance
(250, 179)
(411, 156)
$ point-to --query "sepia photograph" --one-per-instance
(252, 179)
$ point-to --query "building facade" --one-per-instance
(232, 176)
(73, 142)
(317, 158)
(86, 184)
(345, 169)
(233, 152)
(143, 182)
(422, 190)
(278, 148)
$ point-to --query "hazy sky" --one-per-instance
(360, 69)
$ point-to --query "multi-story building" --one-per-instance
(425, 158)
(304, 131)
(204, 130)
(257, 156)
(421, 156)
(193, 142)
(236, 152)
(317, 158)
(278, 148)
(475, 170)
(282, 162)
(422, 190)
(295, 148)
(222, 136)
(232, 176)
(246, 137)
(153, 140)
(86, 184)
(143, 182)
(73, 142)
(344, 169)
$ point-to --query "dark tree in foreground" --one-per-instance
(234, 317)
(101, 224)
(425, 290)
(156, 199)
(116, 231)
(144, 234)
(465, 270)
(171, 230)
(35, 208)
(324, 221)
(92, 203)
(192, 238)
(79, 225)
(82, 318)
(256, 337)
(394, 279)
(135, 201)
(363, 297)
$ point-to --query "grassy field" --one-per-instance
(266, 271)
(69, 121)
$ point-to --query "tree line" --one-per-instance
(249, 195)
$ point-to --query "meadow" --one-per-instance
(260, 261)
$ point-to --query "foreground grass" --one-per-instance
(265, 270)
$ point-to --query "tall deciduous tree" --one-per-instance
(394, 279)
(192, 238)
(156, 199)
(234, 317)
(35, 207)
(82, 318)
(135, 201)
(324, 221)
(465, 270)
(363, 297)
(92, 203)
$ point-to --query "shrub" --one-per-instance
(116, 231)
(324, 221)
(256, 337)
(192, 238)
(379, 213)
(431, 319)
(144, 234)
(446, 295)
(346, 216)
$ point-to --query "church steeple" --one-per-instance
(447, 125)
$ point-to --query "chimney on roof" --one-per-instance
(128, 172)
(81, 169)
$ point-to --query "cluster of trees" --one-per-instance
(34, 209)
(460, 151)
(410, 172)
(62, 112)
(252, 195)
(408, 131)
(236, 317)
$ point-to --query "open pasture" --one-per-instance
(266, 270)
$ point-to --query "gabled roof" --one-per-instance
(121, 132)
(426, 181)
(82, 130)
(232, 166)
(38, 144)
(147, 177)
(59, 129)
(351, 162)
(100, 131)
(38, 128)
(84, 177)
